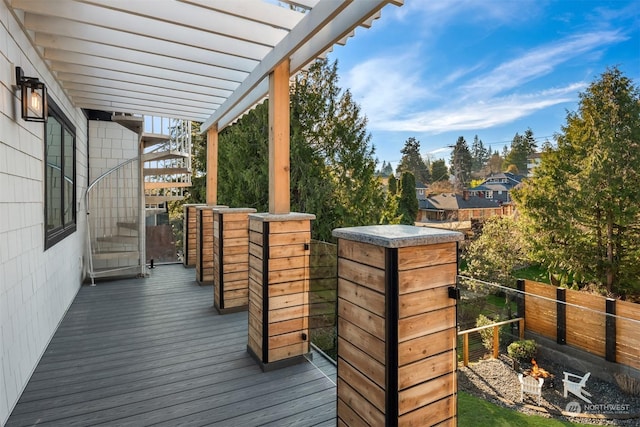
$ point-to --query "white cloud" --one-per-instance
(395, 97)
(481, 114)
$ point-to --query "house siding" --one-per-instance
(36, 286)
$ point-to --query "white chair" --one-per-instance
(576, 387)
(530, 385)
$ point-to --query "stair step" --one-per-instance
(116, 272)
(166, 171)
(164, 155)
(133, 123)
(111, 255)
(151, 139)
(156, 200)
(154, 211)
(158, 185)
(128, 240)
(128, 225)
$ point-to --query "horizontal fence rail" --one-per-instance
(601, 326)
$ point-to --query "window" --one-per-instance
(59, 176)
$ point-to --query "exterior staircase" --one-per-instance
(122, 202)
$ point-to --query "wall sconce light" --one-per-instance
(33, 97)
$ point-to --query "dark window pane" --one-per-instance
(53, 174)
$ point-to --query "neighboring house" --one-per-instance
(421, 190)
(101, 67)
(533, 160)
(497, 187)
(456, 207)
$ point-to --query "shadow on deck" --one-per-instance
(154, 351)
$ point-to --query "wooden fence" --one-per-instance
(602, 326)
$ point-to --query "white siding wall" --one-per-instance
(36, 286)
(111, 144)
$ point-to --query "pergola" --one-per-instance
(201, 60)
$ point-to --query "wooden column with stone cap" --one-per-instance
(397, 326)
(231, 259)
(189, 234)
(279, 248)
(204, 243)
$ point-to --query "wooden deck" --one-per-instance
(138, 352)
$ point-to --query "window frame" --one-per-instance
(57, 234)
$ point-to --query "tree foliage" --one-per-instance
(521, 147)
(408, 205)
(583, 203)
(495, 254)
(461, 162)
(439, 171)
(411, 161)
(479, 155)
(332, 171)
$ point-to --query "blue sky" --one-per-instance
(440, 69)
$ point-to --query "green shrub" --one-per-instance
(485, 334)
(522, 350)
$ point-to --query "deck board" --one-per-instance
(154, 351)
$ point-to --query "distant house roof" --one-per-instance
(452, 202)
(499, 182)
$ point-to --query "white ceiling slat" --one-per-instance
(81, 73)
(254, 10)
(126, 67)
(63, 44)
(81, 89)
(58, 30)
(205, 60)
(324, 12)
(142, 103)
(138, 26)
(88, 83)
(133, 109)
(207, 20)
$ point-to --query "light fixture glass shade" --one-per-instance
(33, 97)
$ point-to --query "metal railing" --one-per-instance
(113, 221)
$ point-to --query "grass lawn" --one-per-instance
(476, 412)
(533, 272)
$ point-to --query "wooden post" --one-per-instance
(521, 328)
(520, 298)
(212, 166)
(231, 259)
(397, 335)
(279, 248)
(561, 317)
(465, 349)
(496, 341)
(279, 167)
(189, 235)
(610, 330)
(204, 243)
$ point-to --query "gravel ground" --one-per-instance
(496, 381)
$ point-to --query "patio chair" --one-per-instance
(530, 385)
(576, 387)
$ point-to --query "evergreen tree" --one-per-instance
(411, 161)
(521, 147)
(333, 168)
(393, 184)
(408, 205)
(479, 155)
(583, 202)
(461, 163)
(439, 171)
(328, 124)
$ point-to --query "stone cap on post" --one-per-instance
(397, 236)
(225, 209)
(291, 216)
